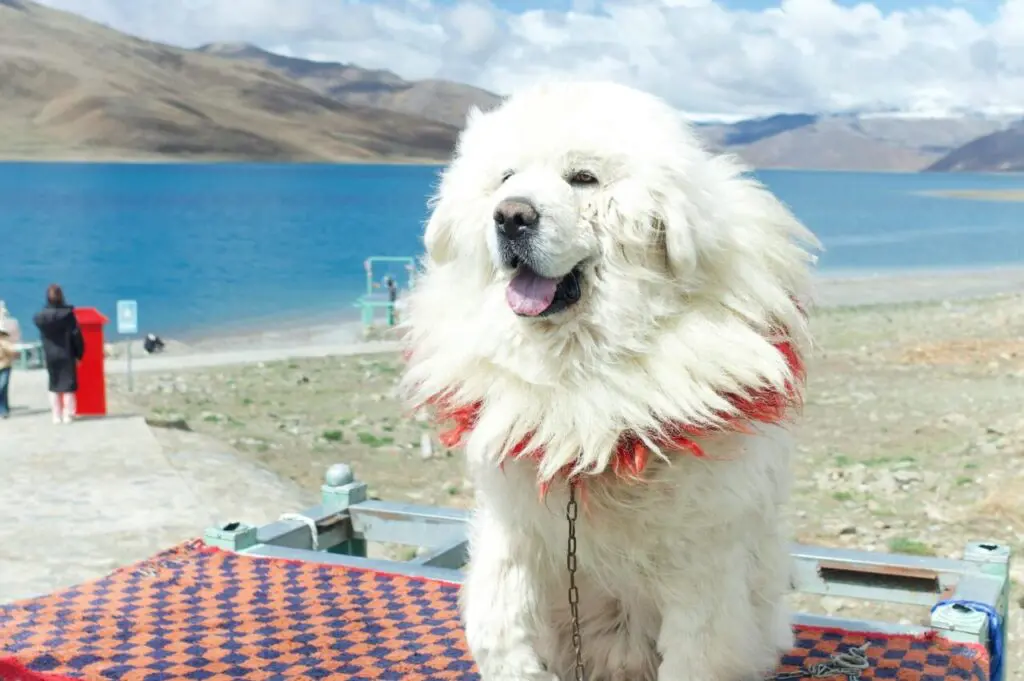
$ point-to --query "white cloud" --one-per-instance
(804, 55)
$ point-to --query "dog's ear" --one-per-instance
(474, 113)
(720, 222)
(683, 225)
(438, 237)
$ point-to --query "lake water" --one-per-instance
(210, 247)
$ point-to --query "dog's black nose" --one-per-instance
(515, 217)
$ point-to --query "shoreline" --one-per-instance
(160, 160)
(831, 290)
(996, 195)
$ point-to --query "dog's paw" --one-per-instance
(509, 675)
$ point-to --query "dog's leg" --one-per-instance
(501, 605)
(714, 628)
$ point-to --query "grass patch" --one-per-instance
(910, 547)
(964, 480)
(371, 440)
(842, 496)
(333, 435)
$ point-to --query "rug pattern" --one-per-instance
(201, 614)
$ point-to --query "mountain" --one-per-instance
(1001, 151)
(71, 88)
(848, 141)
(437, 100)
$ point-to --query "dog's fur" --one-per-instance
(690, 267)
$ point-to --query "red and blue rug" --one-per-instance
(202, 614)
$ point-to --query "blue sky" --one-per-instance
(724, 58)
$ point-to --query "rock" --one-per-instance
(169, 423)
(987, 448)
(832, 605)
(426, 446)
(906, 477)
(847, 530)
(954, 421)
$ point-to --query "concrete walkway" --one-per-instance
(185, 362)
(79, 500)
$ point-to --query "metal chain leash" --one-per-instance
(850, 664)
(571, 513)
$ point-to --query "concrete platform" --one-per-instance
(81, 499)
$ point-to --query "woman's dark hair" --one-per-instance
(55, 295)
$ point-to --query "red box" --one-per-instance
(91, 398)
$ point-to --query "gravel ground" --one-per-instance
(912, 439)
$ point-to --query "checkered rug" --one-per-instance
(201, 614)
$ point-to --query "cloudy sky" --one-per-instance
(737, 57)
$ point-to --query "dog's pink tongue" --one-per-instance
(529, 294)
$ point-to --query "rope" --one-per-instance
(995, 632)
(308, 522)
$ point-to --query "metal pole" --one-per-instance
(131, 387)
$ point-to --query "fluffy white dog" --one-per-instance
(606, 304)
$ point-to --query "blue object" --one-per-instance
(995, 632)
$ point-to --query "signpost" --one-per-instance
(128, 325)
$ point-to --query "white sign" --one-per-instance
(127, 317)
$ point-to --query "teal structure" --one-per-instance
(376, 298)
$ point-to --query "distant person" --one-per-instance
(153, 344)
(8, 354)
(63, 348)
(392, 288)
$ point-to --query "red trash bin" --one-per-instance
(92, 379)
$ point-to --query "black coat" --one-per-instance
(63, 346)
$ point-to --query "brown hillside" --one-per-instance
(71, 88)
(438, 100)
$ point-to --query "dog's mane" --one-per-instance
(663, 349)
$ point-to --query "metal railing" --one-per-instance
(337, 531)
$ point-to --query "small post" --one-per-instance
(128, 355)
(232, 536)
(128, 325)
(339, 492)
(993, 559)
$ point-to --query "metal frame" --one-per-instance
(366, 303)
(30, 355)
(345, 521)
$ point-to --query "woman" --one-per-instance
(63, 347)
(8, 353)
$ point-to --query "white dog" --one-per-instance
(605, 302)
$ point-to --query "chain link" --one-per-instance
(571, 513)
(850, 664)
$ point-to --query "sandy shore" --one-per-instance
(980, 194)
(886, 288)
(838, 289)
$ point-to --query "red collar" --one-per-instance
(631, 454)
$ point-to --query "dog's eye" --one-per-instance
(507, 174)
(582, 177)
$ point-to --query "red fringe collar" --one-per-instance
(631, 454)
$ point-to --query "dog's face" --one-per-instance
(593, 205)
